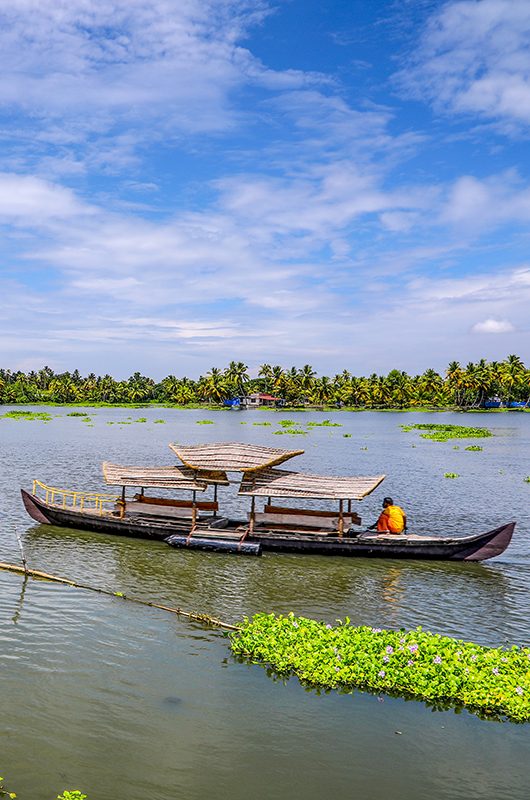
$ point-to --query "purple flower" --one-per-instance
(437, 660)
(519, 689)
(413, 648)
(376, 630)
(295, 624)
(495, 671)
(382, 673)
(328, 626)
(504, 659)
(386, 659)
(410, 663)
(473, 658)
(389, 649)
(402, 641)
(337, 669)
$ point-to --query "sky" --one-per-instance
(335, 182)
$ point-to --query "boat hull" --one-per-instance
(477, 547)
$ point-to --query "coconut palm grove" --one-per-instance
(475, 385)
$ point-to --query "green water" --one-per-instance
(129, 703)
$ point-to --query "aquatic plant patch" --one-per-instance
(492, 681)
(441, 433)
(451, 475)
(287, 423)
(327, 423)
(262, 424)
(204, 422)
(30, 415)
(292, 431)
(77, 414)
(475, 448)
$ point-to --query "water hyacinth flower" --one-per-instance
(329, 627)
(386, 659)
(413, 648)
(389, 649)
(437, 660)
(376, 630)
(519, 690)
(381, 673)
(495, 671)
(410, 663)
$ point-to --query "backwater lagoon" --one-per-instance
(127, 702)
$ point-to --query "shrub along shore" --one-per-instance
(493, 682)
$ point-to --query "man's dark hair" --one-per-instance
(387, 501)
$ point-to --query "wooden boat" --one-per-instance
(197, 524)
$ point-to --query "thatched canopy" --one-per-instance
(231, 456)
(284, 483)
(173, 477)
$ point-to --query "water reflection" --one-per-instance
(471, 601)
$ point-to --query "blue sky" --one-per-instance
(185, 182)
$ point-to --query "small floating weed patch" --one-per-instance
(474, 447)
(77, 414)
(141, 419)
(327, 423)
(159, 422)
(441, 433)
(292, 431)
(31, 415)
(287, 423)
(204, 422)
(527, 479)
(261, 424)
(494, 682)
(451, 475)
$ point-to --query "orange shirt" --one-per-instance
(393, 519)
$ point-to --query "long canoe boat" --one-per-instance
(197, 524)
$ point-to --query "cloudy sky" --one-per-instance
(339, 182)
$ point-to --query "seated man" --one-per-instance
(392, 519)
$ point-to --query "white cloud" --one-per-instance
(493, 326)
(473, 58)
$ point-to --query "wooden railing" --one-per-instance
(78, 501)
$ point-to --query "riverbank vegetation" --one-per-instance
(494, 682)
(442, 433)
(459, 387)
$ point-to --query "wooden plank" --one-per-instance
(201, 505)
(350, 516)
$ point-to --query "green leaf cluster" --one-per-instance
(441, 433)
(493, 682)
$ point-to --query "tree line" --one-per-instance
(469, 386)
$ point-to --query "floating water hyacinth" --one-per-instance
(494, 682)
(451, 475)
(441, 433)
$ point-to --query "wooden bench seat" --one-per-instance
(287, 517)
(200, 505)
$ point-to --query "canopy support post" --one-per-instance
(215, 498)
(341, 518)
(194, 512)
(121, 503)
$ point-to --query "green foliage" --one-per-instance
(474, 447)
(291, 431)
(75, 795)
(30, 415)
(441, 433)
(327, 423)
(204, 422)
(490, 681)
(159, 422)
(262, 424)
(141, 419)
(527, 479)
(347, 435)
(287, 423)
(451, 475)
(77, 414)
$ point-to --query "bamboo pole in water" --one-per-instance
(206, 619)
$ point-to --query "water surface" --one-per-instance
(128, 703)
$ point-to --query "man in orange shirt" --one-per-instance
(392, 519)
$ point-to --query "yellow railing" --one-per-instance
(78, 501)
